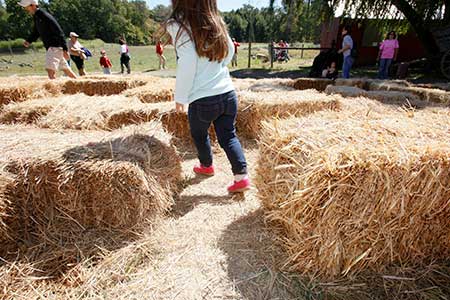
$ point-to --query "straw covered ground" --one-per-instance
(66, 180)
(254, 108)
(351, 193)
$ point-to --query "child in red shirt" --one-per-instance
(105, 63)
(159, 52)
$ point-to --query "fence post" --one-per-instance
(303, 46)
(249, 55)
(271, 55)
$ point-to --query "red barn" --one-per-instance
(366, 34)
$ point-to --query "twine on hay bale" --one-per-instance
(94, 113)
(254, 108)
(90, 179)
(27, 112)
(157, 90)
(350, 193)
(319, 84)
(100, 86)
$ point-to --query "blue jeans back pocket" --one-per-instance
(208, 112)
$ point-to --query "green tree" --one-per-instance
(19, 22)
(160, 13)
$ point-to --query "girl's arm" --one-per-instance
(186, 63)
(229, 57)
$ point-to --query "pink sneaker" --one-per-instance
(200, 169)
(239, 186)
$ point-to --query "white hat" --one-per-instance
(73, 34)
(25, 3)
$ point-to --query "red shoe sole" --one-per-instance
(206, 174)
(240, 190)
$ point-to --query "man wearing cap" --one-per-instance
(76, 52)
(46, 27)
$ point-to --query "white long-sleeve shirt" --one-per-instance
(197, 77)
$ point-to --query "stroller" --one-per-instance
(282, 56)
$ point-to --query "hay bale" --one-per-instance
(100, 86)
(424, 94)
(23, 89)
(158, 90)
(264, 85)
(349, 193)
(27, 112)
(319, 84)
(177, 124)
(94, 113)
(93, 179)
(254, 108)
(345, 91)
(361, 83)
(7, 219)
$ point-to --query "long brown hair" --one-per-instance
(201, 20)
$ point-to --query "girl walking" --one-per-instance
(204, 49)
(160, 53)
(124, 57)
(388, 53)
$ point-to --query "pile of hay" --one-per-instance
(345, 91)
(100, 86)
(94, 113)
(264, 85)
(157, 90)
(19, 90)
(350, 193)
(362, 83)
(177, 124)
(424, 94)
(27, 112)
(319, 84)
(87, 179)
(254, 108)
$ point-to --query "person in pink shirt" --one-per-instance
(388, 53)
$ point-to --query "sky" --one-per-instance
(224, 5)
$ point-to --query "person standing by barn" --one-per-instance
(387, 54)
(46, 27)
(204, 49)
(346, 50)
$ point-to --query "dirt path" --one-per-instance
(214, 246)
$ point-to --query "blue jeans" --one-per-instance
(346, 66)
(220, 110)
(383, 72)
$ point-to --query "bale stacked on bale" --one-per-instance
(319, 84)
(424, 94)
(257, 107)
(351, 193)
(89, 179)
(157, 90)
(27, 112)
(362, 83)
(345, 91)
(106, 113)
(100, 86)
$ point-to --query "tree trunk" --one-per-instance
(290, 18)
(422, 30)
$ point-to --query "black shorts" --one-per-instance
(78, 61)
